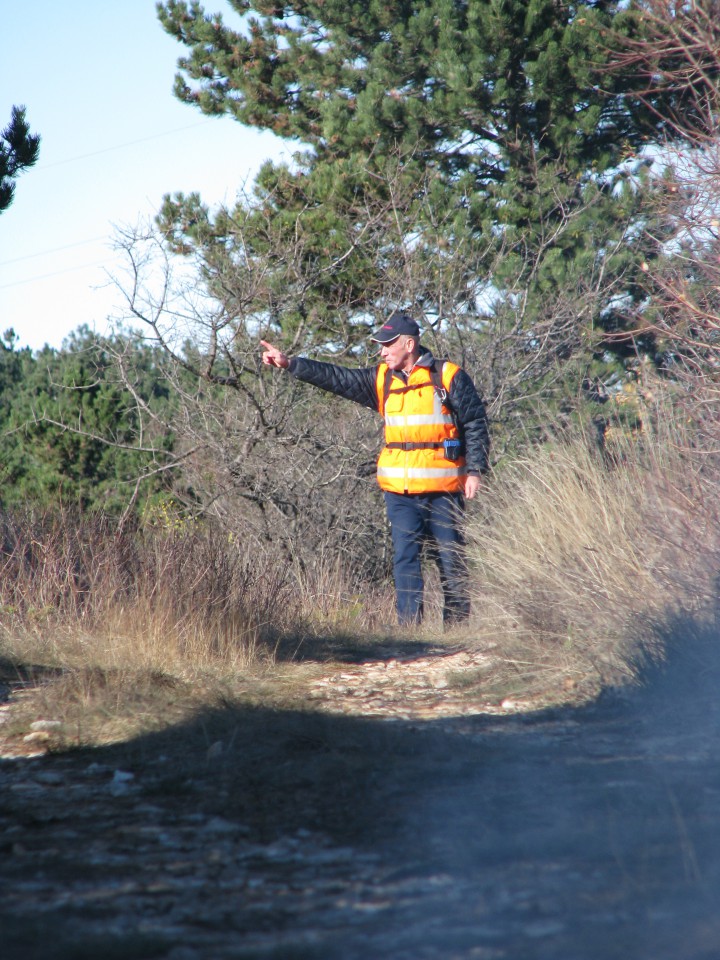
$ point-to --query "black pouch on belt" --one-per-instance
(453, 449)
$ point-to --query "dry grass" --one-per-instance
(579, 563)
(116, 632)
(580, 559)
(77, 592)
(130, 630)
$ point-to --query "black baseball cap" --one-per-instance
(397, 325)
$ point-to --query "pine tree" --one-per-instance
(69, 427)
(472, 159)
(19, 149)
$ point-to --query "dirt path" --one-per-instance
(438, 685)
(391, 820)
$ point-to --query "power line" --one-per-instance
(56, 273)
(83, 156)
(121, 146)
(79, 243)
(43, 253)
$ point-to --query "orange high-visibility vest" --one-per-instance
(416, 424)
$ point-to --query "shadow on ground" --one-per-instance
(248, 833)
(351, 649)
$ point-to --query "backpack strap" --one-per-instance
(437, 381)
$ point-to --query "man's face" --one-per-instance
(399, 354)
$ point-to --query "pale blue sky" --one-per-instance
(96, 79)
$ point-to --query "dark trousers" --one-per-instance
(433, 518)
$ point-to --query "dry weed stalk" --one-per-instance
(578, 560)
(79, 592)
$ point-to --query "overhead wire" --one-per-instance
(79, 243)
(56, 273)
(44, 253)
(122, 146)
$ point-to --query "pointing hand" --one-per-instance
(274, 357)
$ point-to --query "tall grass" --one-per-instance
(578, 562)
(76, 590)
(579, 558)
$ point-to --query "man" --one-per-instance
(436, 451)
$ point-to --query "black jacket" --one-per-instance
(358, 384)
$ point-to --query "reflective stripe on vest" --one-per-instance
(418, 420)
(416, 424)
(415, 473)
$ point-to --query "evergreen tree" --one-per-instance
(19, 149)
(482, 140)
(69, 427)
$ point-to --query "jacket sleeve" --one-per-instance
(472, 418)
(356, 384)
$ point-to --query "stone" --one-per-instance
(47, 725)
